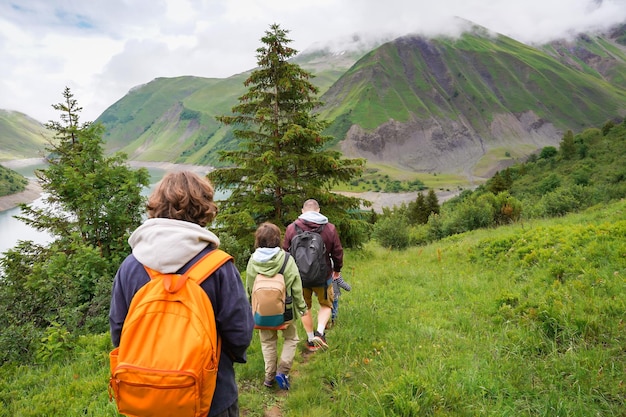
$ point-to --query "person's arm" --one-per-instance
(250, 277)
(336, 253)
(130, 277)
(290, 232)
(117, 312)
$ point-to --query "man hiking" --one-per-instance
(312, 222)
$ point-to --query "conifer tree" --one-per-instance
(418, 212)
(282, 159)
(567, 146)
(432, 203)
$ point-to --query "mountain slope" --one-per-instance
(600, 56)
(11, 182)
(151, 119)
(443, 104)
(173, 119)
(21, 136)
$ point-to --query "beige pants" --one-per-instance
(269, 346)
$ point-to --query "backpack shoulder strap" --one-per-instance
(208, 264)
(282, 269)
(198, 272)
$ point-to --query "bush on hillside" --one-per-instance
(469, 215)
(392, 232)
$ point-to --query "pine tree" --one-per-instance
(282, 160)
(567, 146)
(432, 203)
(418, 212)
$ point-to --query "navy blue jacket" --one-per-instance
(233, 316)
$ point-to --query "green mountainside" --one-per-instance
(442, 104)
(421, 105)
(173, 119)
(21, 136)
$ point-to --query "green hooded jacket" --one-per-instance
(264, 262)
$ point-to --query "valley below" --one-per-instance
(379, 200)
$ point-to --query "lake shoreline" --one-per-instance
(33, 190)
(31, 193)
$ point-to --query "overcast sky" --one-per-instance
(103, 48)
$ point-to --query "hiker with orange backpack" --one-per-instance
(277, 305)
(167, 251)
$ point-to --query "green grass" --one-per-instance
(523, 320)
(377, 176)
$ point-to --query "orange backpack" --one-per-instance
(167, 360)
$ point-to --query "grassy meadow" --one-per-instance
(523, 320)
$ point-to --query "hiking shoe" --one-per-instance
(269, 383)
(311, 347)
(343, 284)
(283, 381)
(319, 340)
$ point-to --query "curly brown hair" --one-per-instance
(183, 195)
(267, 236)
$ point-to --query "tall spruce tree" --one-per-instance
(282, 159)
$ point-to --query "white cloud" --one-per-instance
(103, 48)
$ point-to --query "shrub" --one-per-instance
(435, 227)
(392, 232)
(469, 215)
(239, 251)
(548, 152)
(564, 200)
(549, 183)
(419, 235)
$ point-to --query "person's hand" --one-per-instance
(336, 274)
